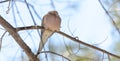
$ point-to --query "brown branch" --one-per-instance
(28, 28)
(89, 45)
(72, 38)
(4, 1)
(18, 39)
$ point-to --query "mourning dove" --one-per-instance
(51, 23)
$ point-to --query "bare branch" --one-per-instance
(72, 38)
(89, 45)
(18, 39)
(112, 20)
(4, 1)
(28, 28)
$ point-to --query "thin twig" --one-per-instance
(10, 2)
(53, 5)
(110, 17)
(1, 39)
(30, 12)
(103, 57)
(101, 41)
(108, 57)
(55, 54)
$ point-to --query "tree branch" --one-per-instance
(18, 39)
(72, 38)
(112, 20)
(4, 1)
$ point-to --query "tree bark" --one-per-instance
(12, 31)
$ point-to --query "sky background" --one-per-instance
(83, 19)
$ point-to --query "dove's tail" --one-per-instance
(44, 37)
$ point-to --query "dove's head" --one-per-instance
(53, 12)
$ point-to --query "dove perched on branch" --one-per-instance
(51, 23)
